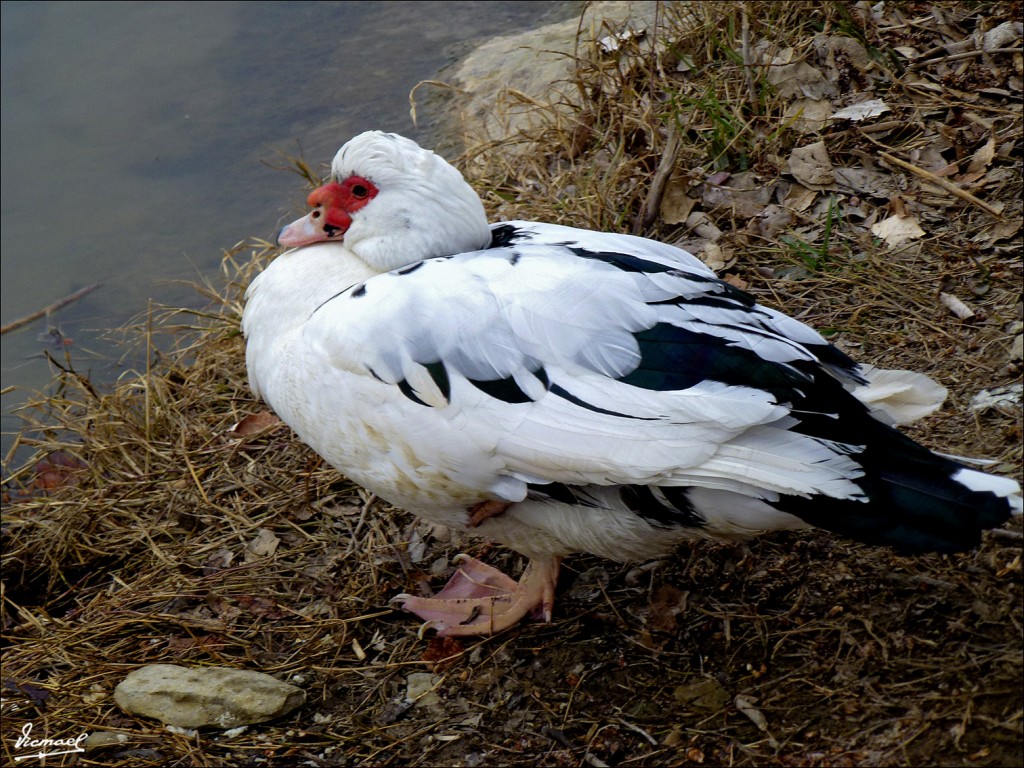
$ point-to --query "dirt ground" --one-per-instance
(148, 530)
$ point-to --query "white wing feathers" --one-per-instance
(526, 360)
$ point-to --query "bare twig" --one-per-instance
(748, 69)
(436, 84)
(957, 56)
(1003, 533)
(49, 308)
(661, 176)
(946, 185)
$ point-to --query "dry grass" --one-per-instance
(145, 531)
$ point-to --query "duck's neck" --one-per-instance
(299, 281)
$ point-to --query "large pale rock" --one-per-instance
(205, 696)
(538, 64)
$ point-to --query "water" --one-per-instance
(136, 138)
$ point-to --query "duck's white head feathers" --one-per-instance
(424, 207)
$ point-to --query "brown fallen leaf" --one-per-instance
(736, 281)
(800, 198)
(263, 545)
(57, 470)
(811, 166)
(897, 229)
(861, 111)
(808, 115)
(769, 222)
(797, 78)
(704, 694)
(667, 603)
(442, 652)
(255, 423)
(217, 561)
(865, 182)
(261, 607)
(676, 204)
(981, 159)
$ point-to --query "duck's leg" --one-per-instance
(481, 600)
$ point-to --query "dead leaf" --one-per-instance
(703, 694)
(861, 111)
(254, 423)
(808, 115)
(179, 644)
(745, 704)
(865, 182)
(714, 256)
(261, 607)
(800, 198)
(612, 43)
(667, 603)
(264, 545)
(744, 195)
(737, 281)
(57, 470)
(845, 61)
(798, 78)
(218, 561)
(672, 738)
(897, 229)
(34, 692)
(1006, 398)
(772, 220)
(811, 166)
(675, 203)
(981, 159)
(440, 650)
(1005, 35)
(700, 223)
(225, 611)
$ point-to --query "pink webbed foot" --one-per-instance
(481, 600)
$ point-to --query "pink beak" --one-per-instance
(327, 220)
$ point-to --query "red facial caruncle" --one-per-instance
(333, 205)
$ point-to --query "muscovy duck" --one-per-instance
(559, 390)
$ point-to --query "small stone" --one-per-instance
(220, 697)
(104, 739)
(703, 694)
(420, 689)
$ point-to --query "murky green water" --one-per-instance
(135, 137)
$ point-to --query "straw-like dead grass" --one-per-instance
(147, 531)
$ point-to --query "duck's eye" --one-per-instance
(358, 190)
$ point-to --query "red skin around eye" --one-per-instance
(332, 206)
(339, 201)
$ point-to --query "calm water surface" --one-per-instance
(136, 138)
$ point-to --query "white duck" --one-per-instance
(559, 390)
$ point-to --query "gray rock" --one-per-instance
(537, 63)
(420, 690)
(221, 697)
